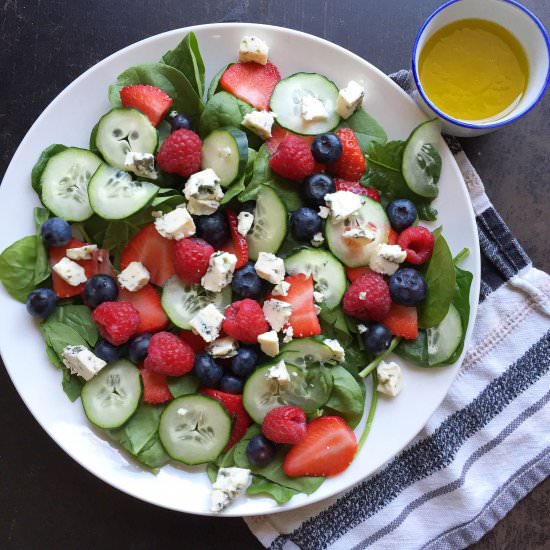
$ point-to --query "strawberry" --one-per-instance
(155, 387)
(327, 449)
(147, 302)
(393, 235)
(353, 273)
(238, 244)
(251, 82)
(278, 134)
(154, 251)
(197, 344)
(351, 163)
(150, 100)
(402, 321)
(356, 187)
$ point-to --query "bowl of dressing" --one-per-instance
(480, 64)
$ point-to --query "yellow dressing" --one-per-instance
(473, 69)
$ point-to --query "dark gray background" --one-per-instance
(46, 499)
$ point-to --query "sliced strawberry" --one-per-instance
(234, 406)
(393, 235)
(154, 251)
(238, 244)
(197, 344)
(356, 187)
(150, 100)
(353, 273)
(251, 82)
(327, 449)
(278, 134)
(402, 321)
(147, 302)
(155, 387)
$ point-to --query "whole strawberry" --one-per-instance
(285, 424)
(167, 354)
(180, 153)
(293, 159)
(351, 163)
(368, 298)
(117, 322)
(245, 321)
(191, 258)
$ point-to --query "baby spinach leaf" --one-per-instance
(336, 324)
(220, 110)
(215, 82)
(279, 493)
(42, 265)
(426, 211)
(58, 335)
(212, 471)
(183, 385)
(79, 318)
(43, 159)
(416, 350)
(153, 454)
(346, 398)
(461, 301)
(71, 384)
(366, 129)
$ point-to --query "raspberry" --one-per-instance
(368, 298)
(418, 242)
(285, 425)
(169, 355)
(356, 187)
(117, 321)
(180, 153)
(191, 259)
(351, 163)
(293, 159)
(245, 321)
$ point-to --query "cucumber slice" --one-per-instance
(286, 101)
(114, 195)
(122, 130)
(421, 164)
(354, 252)
(182, 302)
(270, 221)
(225, 151)
(64, 183)
(326, 270)
(445, 337)
(304, 352)
(194, 429)
(113, 396)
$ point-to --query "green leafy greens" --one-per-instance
(366, 129)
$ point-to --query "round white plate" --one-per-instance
(69, 119)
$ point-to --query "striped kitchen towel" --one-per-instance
(486, 446)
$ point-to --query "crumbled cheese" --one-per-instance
(269, 343)
(229, 484)
(207, 323)
(361, 328)
(277, 313)
(349, 99)
(254, 49)
(343, 204)
(360, 233)
(386, 259)
(317, 240)
(203, 192)
(278, 373)
(336, 348)
(312, 109)
(270, 267)
(223, 347)
(390, 380)
(323, 212)
(80, 360)
(318, 297)
(141, 164)
(259, 122)
(85, 252)
(177, 224)
(72, 273)
(317, 309)
(362, 296)
(219, 274)
(182, 412)
(134, 277)
(202, 207)
(289, 334)
(244, 223)
(281, 289)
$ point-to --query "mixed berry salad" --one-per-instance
(218, 274)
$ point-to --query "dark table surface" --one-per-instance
(46, 499)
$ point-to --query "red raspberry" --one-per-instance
(351, 163)
(293, 159)
(356, 187)
(418, 242)
(368, 298)
(117, 321)
(180, 153)
(245, 321)
(169, 355)
(191, 259)
(155, 387)
(285, 425)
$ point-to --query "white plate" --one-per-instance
(69, 119)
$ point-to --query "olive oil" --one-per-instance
(473, 69)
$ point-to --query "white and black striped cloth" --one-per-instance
(486, 446)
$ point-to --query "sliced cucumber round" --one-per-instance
(122, 130)
(114, 195)
(64, 183)
(304, 352)
(421, 164)
(194, 429)
(286, 101)
(270, 221)
(326, 270)
(112, 396)
(182, 302)
(445, 337)
(225, 151)
(354, 252)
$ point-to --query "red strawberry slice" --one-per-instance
(150, 100)
(154, 251)
(251, 82)
(351, 163)
(238, 244)
(147, 302)
(155, 387)
(278, 134)
(353, 273)
(197, 344)
(356, 187)
(234, 406)
(402, 321)
(327, 449)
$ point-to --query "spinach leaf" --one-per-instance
(347, 398)
(415, 350)
(366, 129)
(426, 211)
(215, 82)
(42, 265)
(183, 385)
(336, 324)
(239, 186)
(43, 159)
(279, 493)
(57, 335)
(461, 301)
(78, 318)
(222, 109)
(212, 471)
(71, 384)
(356, 359)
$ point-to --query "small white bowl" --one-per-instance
(522, 23)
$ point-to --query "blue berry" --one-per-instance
(106, 351)
(207, 370)
(41, 303)
(231, 384)
(248, 206)
(100, 288)
(326, 148)
(402, 213)
(315, 187)
(260, 451)
(408, 287)
(244, 363)
(214, 228)
(178, 121)
(246, 282)
(138, 347)
(377, 338)
(304, 223)
(56, 232)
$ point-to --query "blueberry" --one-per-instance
(231, 384)
(402, 213)
(106, 351)
(56, 232)
(99, 289)
(315, 187)
(326, 148)
(41, 303)
(377, 338)
(304, 223)
(207, 370)
(244, 363)
(178, 121)
(138, 347)
(248, 206)
(214, 228)
(260, 451)
(246, 282)
(408, 287)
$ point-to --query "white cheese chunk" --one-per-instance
(229, 484)
(219, 274)
(269, 343)
(223, 347)
(202, 207)
(362, 328)
(244, 222)
(360, 233)
(343, 204)
(281, 289)
(278, 373)
(349, 99)
(317, 240)
(318, 297)
(80, 360)
(207, 323)
(72, 273)
(141, 164)
(203, 192)
(85, 252)
(390, 380)
(254, 49)
(277, 313)
(270, 267)
(323, 212)
(312, 109)
(259, 122)
(336, 348)
(177, 224)
(386, 258)
(134, 277)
